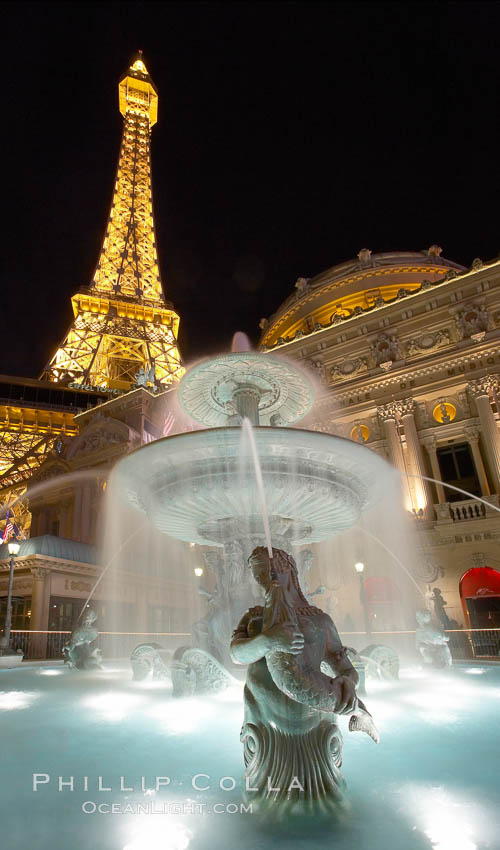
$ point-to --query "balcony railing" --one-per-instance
(468, 509)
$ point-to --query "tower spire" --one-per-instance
(122, 321)
(128, 262)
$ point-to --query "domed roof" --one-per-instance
(54, 547)
(353, 287)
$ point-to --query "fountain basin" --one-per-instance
(200, 487)
(431, 785)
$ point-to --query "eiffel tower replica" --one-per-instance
(124, 333)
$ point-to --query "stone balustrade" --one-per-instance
(467, 509)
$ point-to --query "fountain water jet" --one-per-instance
(247, 429)
(457, 489)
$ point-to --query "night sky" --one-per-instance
(290, 135)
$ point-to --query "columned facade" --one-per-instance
(430, 444)
(388, 415)
(473, 433)
(421, 489)
(480, 390)
(40, 600)
(407, 346)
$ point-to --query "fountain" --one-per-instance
(262, 484)
(201, 487)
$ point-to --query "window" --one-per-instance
(457, 468)
(21, 612)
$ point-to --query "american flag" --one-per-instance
(11, 529)
(8, 530)
(168, 424)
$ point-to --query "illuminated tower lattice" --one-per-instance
(122, 322)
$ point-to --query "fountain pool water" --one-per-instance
(430, 785)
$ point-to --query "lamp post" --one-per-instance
(13, 546)
(359, 567)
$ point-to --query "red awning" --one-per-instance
(480, 581)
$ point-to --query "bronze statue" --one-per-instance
(292, 744)
(81, 651)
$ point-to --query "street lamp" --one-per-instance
(359, 567)
(198, 571)
(13, 547)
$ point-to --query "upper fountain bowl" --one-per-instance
(269, 390)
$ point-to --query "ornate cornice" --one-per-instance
(293, 303)
(396, 409)
(483, 386)
(39, 572)
(381, 382)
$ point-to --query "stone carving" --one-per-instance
(146, 376)
(235, 558)
(446, 417)
(396, 409)
(49, 469)
(264, 324)
(99, 435)
(384, 349)
(319, 370)
(292, 745)
(225, 602)
(478, 559)
(439, 610)
(301, 284)
(348, 368)
(431, 642)
(427, 342)
(364, 257)
(472, 320)
(477, 264)
(304, 563)
(80, 652)
(426, 569)
(146, 661)
(483, 386)
(435, 251)
(381, 662)
(195, 671)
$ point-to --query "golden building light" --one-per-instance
(122, 322)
